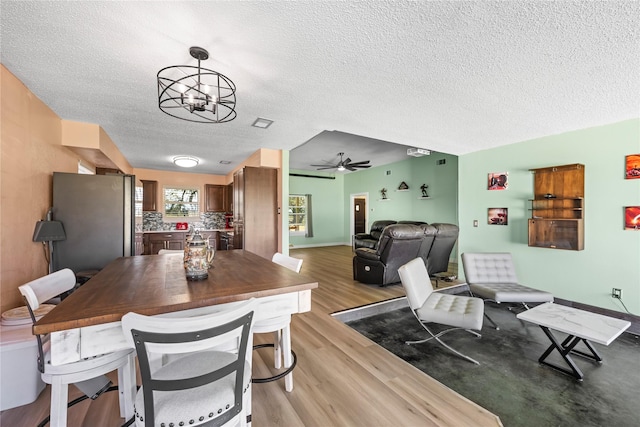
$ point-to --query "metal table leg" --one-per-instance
(564, 349)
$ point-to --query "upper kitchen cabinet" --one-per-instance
(215, 198)
(229, 198)
(149, 195)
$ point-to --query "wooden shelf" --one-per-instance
(423, 198)
(558, 222)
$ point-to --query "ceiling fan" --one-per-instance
(345, 164)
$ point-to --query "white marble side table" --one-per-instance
(580, 325)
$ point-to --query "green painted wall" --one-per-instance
(331, 198)
(327, 206)
(407, 205)
(611, 257)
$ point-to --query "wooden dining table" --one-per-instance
(87, 322)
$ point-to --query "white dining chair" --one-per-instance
(208, 378)
(85, 374)
(281, 328)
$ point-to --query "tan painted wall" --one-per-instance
(32, 148)
(92, 143)
(31, 152)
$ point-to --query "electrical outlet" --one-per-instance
(616, 293)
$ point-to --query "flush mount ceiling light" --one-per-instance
(185, 161)
(262, 123)
(196, 94)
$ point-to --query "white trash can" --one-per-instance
(20, 381)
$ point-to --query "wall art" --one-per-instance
(498, 181)
(632, 218)
(632, 166)
(498, 216)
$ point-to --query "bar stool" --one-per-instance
(281, 328)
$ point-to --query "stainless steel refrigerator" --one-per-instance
(97, 213)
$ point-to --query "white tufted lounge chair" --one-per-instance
(432, 307)
(492, 276)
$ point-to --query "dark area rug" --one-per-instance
(509, 380)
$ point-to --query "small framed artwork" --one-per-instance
(632, 218)
(498, 216)
(632, 166)
(498, 181)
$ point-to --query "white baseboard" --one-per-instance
(318, 245)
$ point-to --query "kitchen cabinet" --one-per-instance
(149, 195)
(215, 198)
(229, 198)
(170, 240)
(557, 208)
(255, 210)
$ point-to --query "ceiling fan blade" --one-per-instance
(364, 162)
(346, 161)
(349, 168)
(361, 166)
(326, 167)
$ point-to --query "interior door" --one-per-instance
(359, 220)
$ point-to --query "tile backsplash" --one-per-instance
(154, 221)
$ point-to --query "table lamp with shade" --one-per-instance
(49, 231)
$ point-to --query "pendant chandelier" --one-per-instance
(196, 94)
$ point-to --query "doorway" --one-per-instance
(358, 218)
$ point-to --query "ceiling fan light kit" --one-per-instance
(345, 164)
(196, 94)
(418, 152)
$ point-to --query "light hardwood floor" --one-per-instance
(342, 378)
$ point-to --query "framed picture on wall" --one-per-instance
(498, 216)
(498, 181)
(632, 166)
(632, 218)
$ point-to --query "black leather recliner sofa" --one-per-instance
(370, 240)
(437, 260)
(398, 244)
(380, 266)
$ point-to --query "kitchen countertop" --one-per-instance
(186, 231)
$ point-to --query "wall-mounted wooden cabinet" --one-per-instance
(216, 198)
(557, 209)
(149, 195)
(229, 198)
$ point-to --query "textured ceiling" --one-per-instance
(453, 77)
